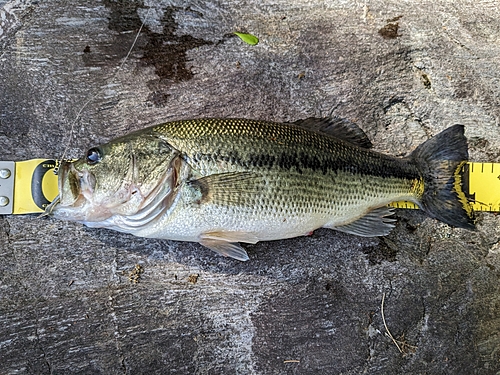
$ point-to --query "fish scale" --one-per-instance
(223, 181)
(259, 144)
(314, 196)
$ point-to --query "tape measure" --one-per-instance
(481, 185)
(29, 186)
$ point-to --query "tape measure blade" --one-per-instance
(484, 186)
(35, 185)
(404, 205)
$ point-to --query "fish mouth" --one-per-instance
(75, 186)
(62, 200)
(75, 191)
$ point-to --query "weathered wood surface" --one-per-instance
(303, 306)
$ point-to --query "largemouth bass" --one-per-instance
(220, 182)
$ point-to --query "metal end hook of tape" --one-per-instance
(7, 173)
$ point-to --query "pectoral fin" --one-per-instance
(226, 243)
(226, 188)
(375, 223)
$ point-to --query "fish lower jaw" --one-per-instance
(66, 214)
(84, 214)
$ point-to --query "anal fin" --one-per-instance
(226, 243)
(375, 223)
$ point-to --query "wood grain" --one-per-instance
(309, 305)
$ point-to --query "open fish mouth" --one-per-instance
(75, 188)
(76, 200)
(81, 185)
(66, 175)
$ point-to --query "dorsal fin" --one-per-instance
(336, 127)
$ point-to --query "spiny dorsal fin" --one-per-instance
(337, 127)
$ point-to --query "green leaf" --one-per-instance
(248, 38)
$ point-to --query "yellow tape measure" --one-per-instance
(29, 186)
(481, 184)
(484, 186)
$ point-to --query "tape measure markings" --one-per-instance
(484, 186)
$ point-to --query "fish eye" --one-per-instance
(93, 156)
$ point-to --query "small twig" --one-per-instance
(388, 333)
(405, 346)
(291, 361)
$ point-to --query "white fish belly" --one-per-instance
(276, 214)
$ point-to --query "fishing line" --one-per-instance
(99, 92)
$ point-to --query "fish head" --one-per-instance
(118, 178)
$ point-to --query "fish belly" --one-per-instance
(278, 207)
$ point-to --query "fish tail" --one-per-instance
(440, 160)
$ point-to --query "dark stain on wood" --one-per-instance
(380, 253)
(426, 81)
(158, 98)
(166, 51)
(390, 31)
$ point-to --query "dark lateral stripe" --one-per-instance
(368, 163)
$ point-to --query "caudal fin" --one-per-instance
(440, 160)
